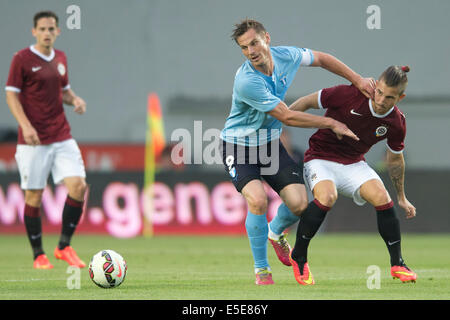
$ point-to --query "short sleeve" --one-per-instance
(396, 138)
(336, 96)
(301, 56)
(65, 81)
(16, 75)
(307, 57)
(255, 93)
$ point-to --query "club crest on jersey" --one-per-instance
(61, 69)
(381, 131)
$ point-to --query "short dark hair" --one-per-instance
(44, 14)
(395, 76)
(245, 25)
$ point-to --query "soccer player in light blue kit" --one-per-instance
(251, 148)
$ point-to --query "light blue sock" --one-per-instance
(257, 230)
(284, 219)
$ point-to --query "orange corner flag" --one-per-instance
(155, 123)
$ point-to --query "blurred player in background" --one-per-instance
(334, 166)
(36, 89)
(254, 126)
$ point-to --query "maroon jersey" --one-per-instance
(348, 105)
(40, 80)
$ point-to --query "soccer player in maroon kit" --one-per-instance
(36, 89)
(337, 166)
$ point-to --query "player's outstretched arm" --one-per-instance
(307, 102)
(306, 120)
(71, 99)
(334, 65)
(396, 168)
(30, 134)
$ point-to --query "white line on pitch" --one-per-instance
(27, 280)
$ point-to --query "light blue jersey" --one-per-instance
(254, 94)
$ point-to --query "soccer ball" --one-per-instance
(107, 269)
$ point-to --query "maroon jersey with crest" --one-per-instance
(348, 105)
(40, 81)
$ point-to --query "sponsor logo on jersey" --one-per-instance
(355, 113)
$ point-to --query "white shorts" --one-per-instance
(63, 159)
(347, 178)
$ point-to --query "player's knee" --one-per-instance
(327, 199)
(297, 206)
(33, 197)
(81, 186)
(257, 204)
(381, 198)
(78, 189)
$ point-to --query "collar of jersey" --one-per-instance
(272, 77)
(46, 58)
(379, 115)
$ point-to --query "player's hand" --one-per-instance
(30, 136)
(410, 210)
(367, 87)
(341, 130)
(79, 105)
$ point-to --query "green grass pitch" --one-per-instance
(220, 268)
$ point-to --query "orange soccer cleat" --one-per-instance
(70, 256)
(403, 273)
(302, 273)
(41, 262)
(282, 249)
